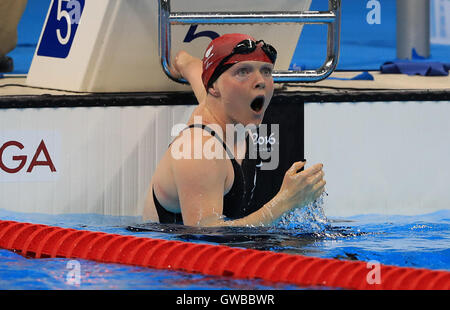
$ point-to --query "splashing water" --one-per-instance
(308, 219)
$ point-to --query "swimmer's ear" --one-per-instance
(213, 91)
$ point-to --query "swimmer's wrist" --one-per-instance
(276, 207)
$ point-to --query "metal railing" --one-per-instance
(332, 18)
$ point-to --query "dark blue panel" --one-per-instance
(61, 28)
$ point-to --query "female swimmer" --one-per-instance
(233, 85)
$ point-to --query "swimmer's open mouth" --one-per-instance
(257, 103)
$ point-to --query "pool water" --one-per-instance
(413, 241)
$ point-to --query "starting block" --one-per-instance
(114, 45)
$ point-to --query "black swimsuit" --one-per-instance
(236, 203)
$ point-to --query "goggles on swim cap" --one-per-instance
(244, 47)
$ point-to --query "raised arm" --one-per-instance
(190, 68)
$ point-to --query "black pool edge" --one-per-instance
(188, 98)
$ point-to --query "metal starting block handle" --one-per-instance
(332, 18)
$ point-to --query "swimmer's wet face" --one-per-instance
(238, 68)
(246, 90)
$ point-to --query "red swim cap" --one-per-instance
(222, 47)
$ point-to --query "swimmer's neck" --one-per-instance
(206, 115)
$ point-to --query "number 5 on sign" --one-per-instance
(60, 14)
(60, 30)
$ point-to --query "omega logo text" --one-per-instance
(41, 157)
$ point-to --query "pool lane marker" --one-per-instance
(42, 241)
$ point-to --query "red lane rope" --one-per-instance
(41, 241)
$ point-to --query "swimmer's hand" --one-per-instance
(190, 68)
(178, 64)
(299, 188)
